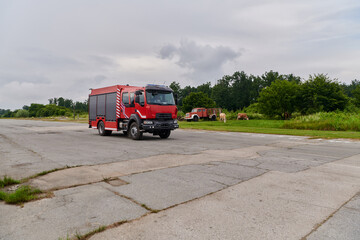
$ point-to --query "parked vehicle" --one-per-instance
(133, 110)
(203, 113)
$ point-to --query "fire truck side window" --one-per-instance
(125, 98)
(132, 104)
(142, 99)
(199, 110)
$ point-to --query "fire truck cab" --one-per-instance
(133, 110)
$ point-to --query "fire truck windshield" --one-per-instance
(159, 97)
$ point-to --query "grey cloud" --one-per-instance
(102, 60)
(46, 58)
(201, 60)
(99, 78)
(22, 78)
(167, 51)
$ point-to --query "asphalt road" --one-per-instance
(194, 185)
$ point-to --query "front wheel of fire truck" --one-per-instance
(196, 118)
(164, 133)
(135, 132)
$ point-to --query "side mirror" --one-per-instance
(176, 99)
(138, 92)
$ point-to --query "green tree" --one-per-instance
(356, 94)
(320, 93)
(68, 103)
(197, 99)
(241, 90)
(34, 108)
(175, 86)
(268, 77)
(292, 78)
(221, 93)
(205, 88)
(61, 102)
(279, 98)
(349, 89)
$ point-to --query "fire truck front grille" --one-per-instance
(163, 115)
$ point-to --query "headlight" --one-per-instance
(148, 122)
(175, 121)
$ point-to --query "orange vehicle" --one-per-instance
(203, 113)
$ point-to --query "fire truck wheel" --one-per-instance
(164, 133)
(196, 118)
(213, 118)
(134, 132)
(101, 128)
(102, 131)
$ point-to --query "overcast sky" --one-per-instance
(62, 48)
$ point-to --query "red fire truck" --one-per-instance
(133, 110)
(199, 113)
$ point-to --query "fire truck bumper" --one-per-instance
(160, 125)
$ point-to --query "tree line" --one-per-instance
(272, 94)
(56, 107)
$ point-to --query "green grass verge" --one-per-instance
(21, 195)
(267, 127)
(334, 121)
(54, 119)
(7, 181)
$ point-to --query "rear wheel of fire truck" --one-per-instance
(102, 131)
(134, 132)
(196, 118)
(213, 118)
(164, 133)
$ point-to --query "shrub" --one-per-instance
(22, 114)
(336, 121)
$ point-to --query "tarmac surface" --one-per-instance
(194, 185)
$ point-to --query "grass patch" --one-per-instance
(267, 127)
(89, 234)
(21, 195)
(7, 181)
(333, 121)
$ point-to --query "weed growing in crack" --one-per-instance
(106, 179)
(89, 234)
(21, 195)
(47, 172)
(7, 181)
(67, 238)
(150, 209)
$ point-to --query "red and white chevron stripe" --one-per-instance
(118, 103)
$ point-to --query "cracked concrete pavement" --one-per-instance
(194, 185)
